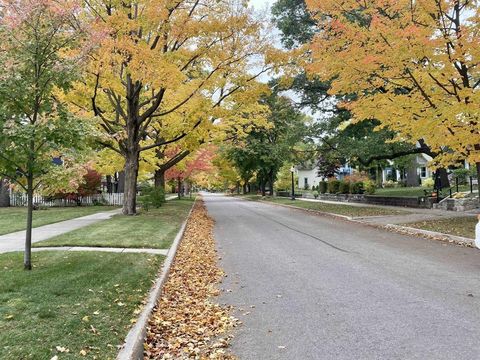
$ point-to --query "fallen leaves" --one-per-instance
(186, 324)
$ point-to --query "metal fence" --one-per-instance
(20, 199)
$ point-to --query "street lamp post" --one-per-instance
(292, 170)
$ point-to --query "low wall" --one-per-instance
(414, 202)
(464, 204)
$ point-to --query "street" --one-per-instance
(313, 287)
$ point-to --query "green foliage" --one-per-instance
(322, 187)
(315, 194)
(463, 175)
(294, 21)
(344, 187)
(152, 197)
(333, 186)
(357, 187)
(35, 125)
(267, 150)
(369, 187)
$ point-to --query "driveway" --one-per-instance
(312, 287)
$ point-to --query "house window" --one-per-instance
(423, 172)
(305, 183)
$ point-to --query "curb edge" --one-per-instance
(133, 345)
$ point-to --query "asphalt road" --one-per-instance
(312, 287)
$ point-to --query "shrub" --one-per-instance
(356, 187)
(315, 194)
(151, 197)
(333, 186)
(356, 177)
(369, 187)
(322, 187)
(462, 175)
(389, 184)
(428, 183)
(344, 187)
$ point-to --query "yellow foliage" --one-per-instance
(412, 65)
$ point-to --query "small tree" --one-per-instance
(35, 127)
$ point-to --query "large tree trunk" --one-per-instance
(4, 193)
(130, 191)
(159, 178)
(262, 187)
(179, 185)
(442, 173)
(109, 184)
(271, 181)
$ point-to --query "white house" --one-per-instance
(308, 175)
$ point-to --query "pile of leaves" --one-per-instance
(186, 323)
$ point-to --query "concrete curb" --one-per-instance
(133, 346)
(432, 235)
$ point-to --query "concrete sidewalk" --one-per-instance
(16, 241)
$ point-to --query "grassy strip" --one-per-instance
(186, 323)
(15, 218)
(81, 302)
(153, 229)
(458, 226)
(339, 209)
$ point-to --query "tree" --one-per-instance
(4, 193)
(35, 127)
(266, 150)
(200, 161)
(161, 69)
(89, 185)
(413, 66)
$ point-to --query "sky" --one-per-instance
(261, 4)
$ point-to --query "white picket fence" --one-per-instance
(20, 199)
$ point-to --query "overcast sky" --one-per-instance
(261, 4)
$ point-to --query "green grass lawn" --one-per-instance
(15, 218)
(459, 226)
(153, 229)
(75, 300)
(340, 209)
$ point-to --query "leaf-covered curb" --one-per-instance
(186, 323)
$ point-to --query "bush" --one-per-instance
(333, 186)
(151, 197)
(356, 187)
(356, 177)
(315, 194)
(389, 184)
(322, 187)
(462, 175)
(428, 183)
(369, 187)
(344, 187)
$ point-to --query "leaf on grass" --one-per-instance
(62, 349)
